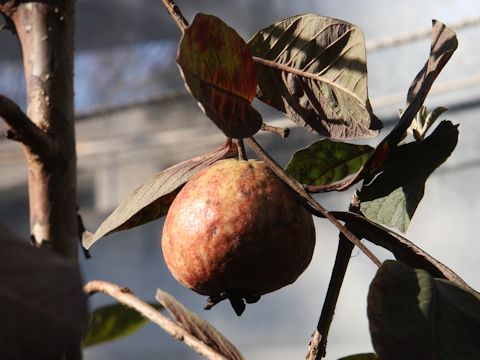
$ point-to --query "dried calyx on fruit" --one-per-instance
(236, 231)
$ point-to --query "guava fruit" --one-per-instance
(237, 231)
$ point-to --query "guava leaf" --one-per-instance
(219, 72)
(403, 249)
(111, 322)
(393, 196)
(316, 73)
(444, 44)
(325, 162)
(152, 200)
(424, 120)
(42, 304)
(198, 327)
(414, 316)
(366, 356)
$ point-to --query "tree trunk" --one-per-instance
(45, 30)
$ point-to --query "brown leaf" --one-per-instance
(152, 200)
(313, 68)
(219, 72)
(198, 327)
(42, 305)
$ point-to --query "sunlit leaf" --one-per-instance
(366, 356)
(152, 200)
(393, 196)
(415, 316)
(316, 73)
(111, 322)
(424, 120)
(198, 327)
(218, 69)
(43, 309)
(325, 162)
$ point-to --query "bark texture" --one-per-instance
(45, 30)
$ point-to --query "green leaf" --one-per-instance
(366, 356)
(325, 162)
(112, 322)
(415, 316)
(316, 73)
(153, 199)
(393, 196)
(198, 327)
(43, 309)
(218, 69)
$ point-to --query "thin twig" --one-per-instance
(176, 14)
(282, 132)
(242, 154)
(126, 297)
(313, 205)
(21, 128)
(338, 186)
(318, 343)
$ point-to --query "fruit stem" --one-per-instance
(242, 154)
(312, 205)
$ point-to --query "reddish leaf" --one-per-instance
(152, 200)
(219, 72)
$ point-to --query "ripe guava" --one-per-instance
(237, 231)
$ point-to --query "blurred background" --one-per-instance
(134, 118)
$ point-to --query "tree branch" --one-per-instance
(318, 343)
(176, 14)
(126, 297)
(21, 128)
(313, 205)
(282, 132)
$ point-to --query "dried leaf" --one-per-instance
(218, 69)
(415, 316)
(325, 162)
(393, 196)
(152, 200)
(316, 73)
(198, 327)
(111, 322)
(42, 305)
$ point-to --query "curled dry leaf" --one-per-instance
(198, 327)
(313, 68)
(42, 305)
(218, 69)
(413, 315)
(152, 200)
